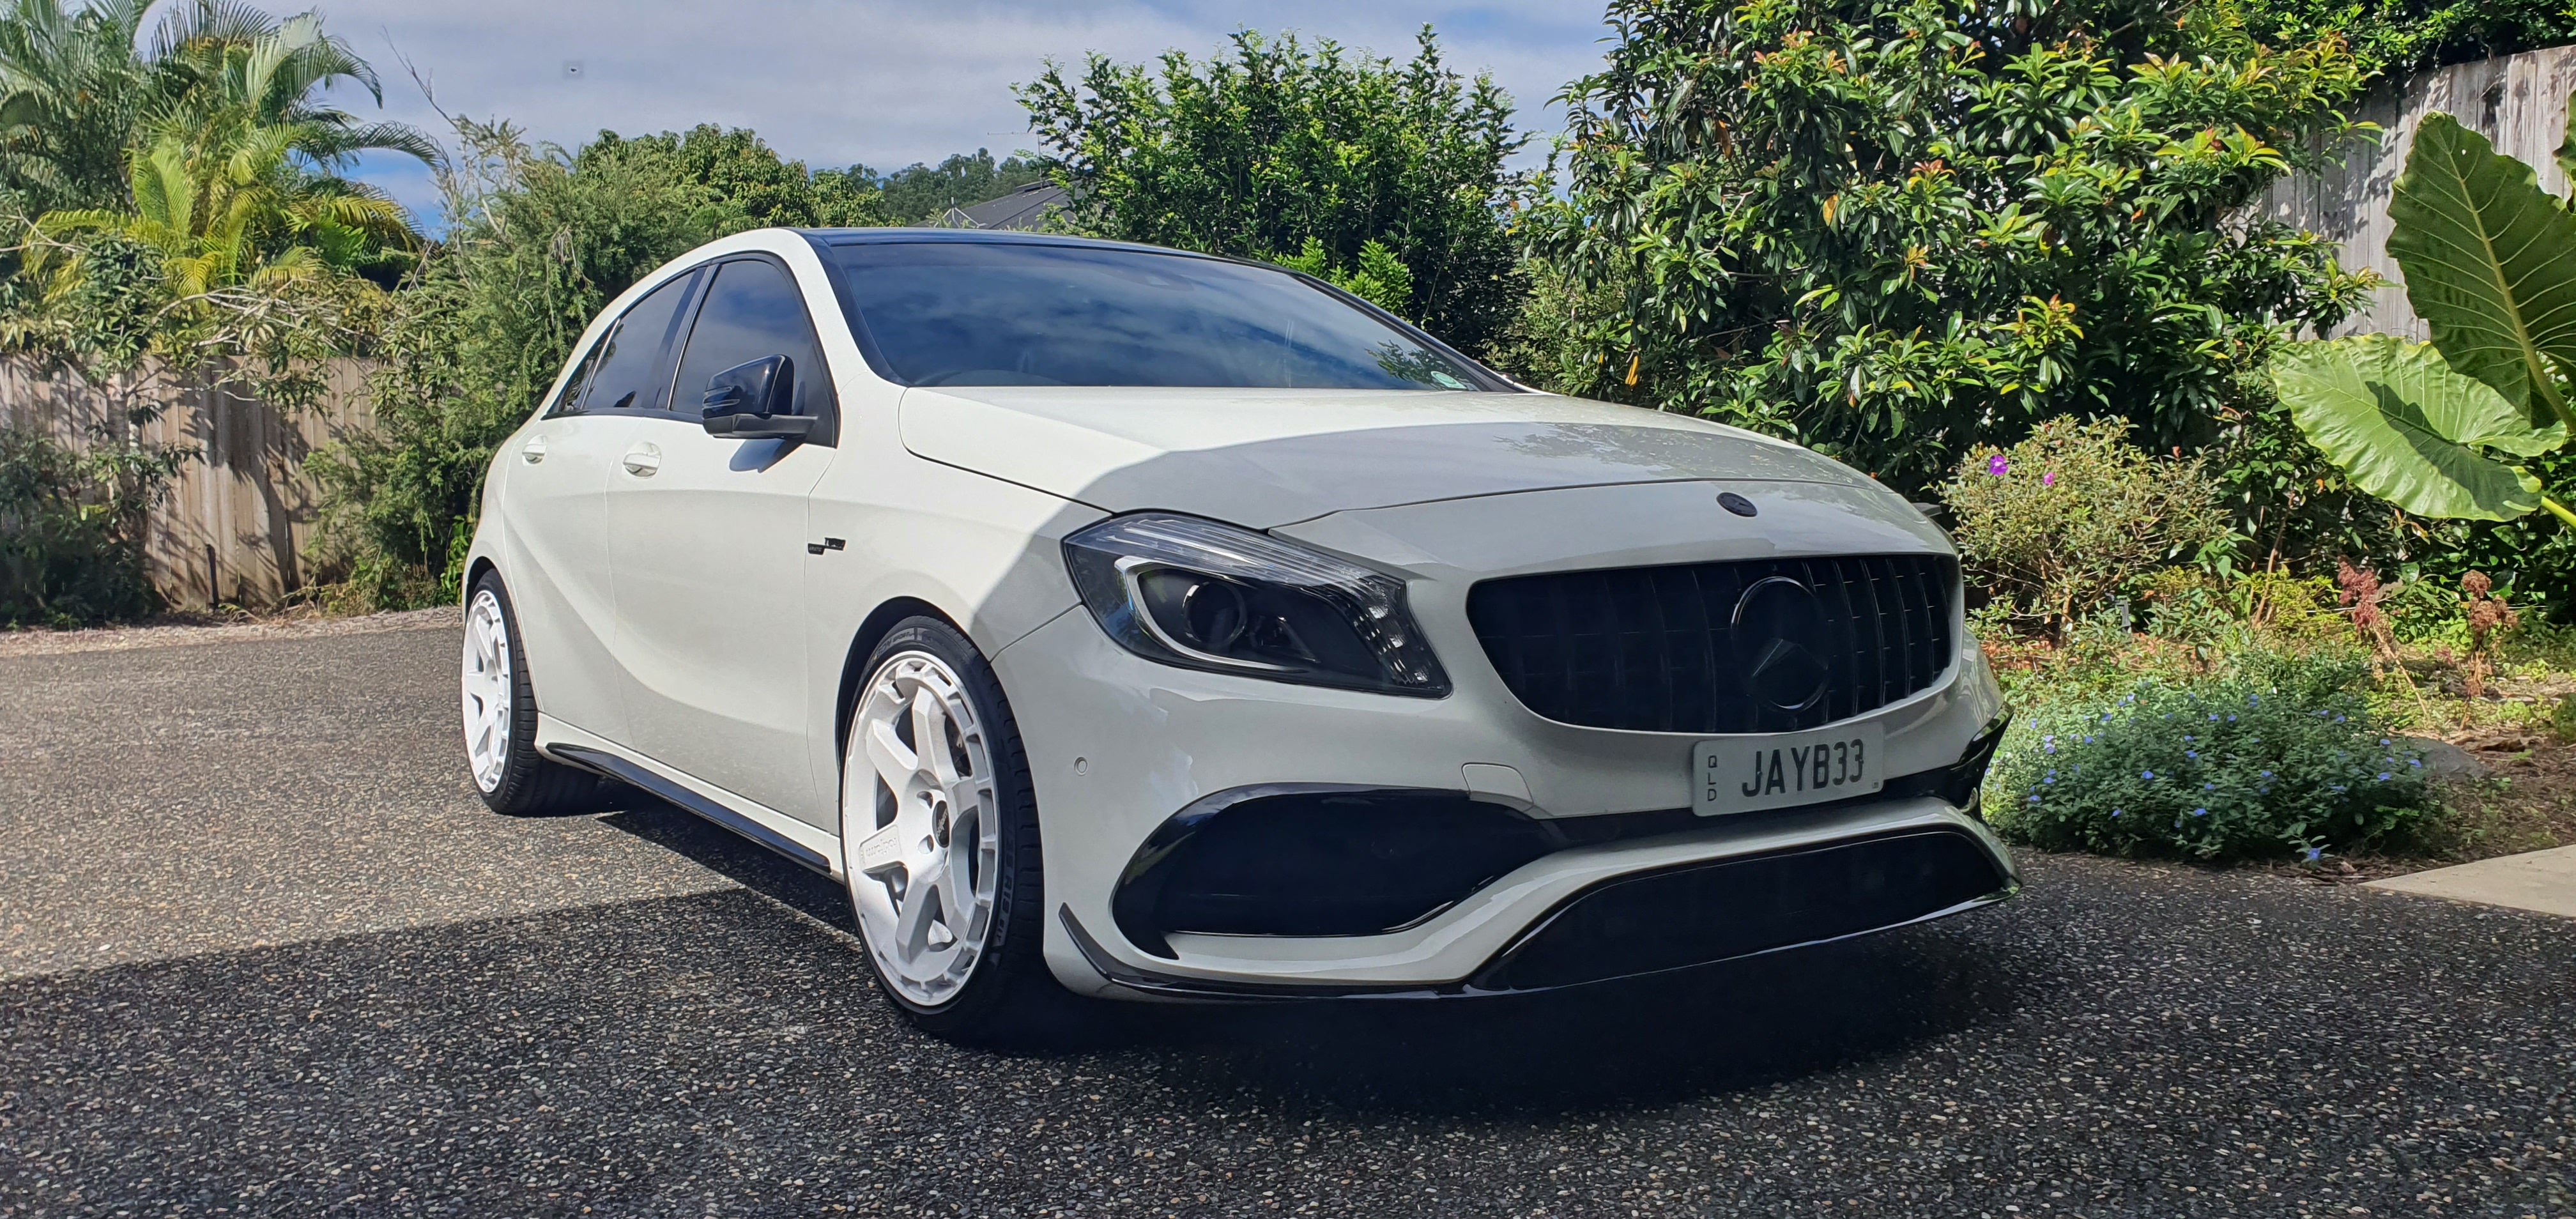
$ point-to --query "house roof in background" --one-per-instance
(1023, 209)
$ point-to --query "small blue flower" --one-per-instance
(2384, 776)
(2117, 814)
(2267, 774)
(2209, 787)
(2415, 761)
(2200, 812)
(2146, 774)
(2383, 740)
(2231, 719)
(2189, 754)
(2213, 717)
(2313, 852)
(2034, 799)
(2338, 719)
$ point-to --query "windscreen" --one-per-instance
(960, 313)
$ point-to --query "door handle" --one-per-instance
(534, 451)
(643, 459)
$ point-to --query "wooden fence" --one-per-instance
(2517, 101)
(240, 522)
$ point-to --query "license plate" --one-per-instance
(1783, 770)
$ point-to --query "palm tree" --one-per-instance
(231, 169)
(72, 89)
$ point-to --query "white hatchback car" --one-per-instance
(1170, 626)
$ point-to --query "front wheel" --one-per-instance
(939, 836)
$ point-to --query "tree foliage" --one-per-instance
(538, 241)
(921, 194)
(2406, 35)
(1895, 228)
(1285, 143)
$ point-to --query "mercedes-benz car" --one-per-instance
(1154, 625)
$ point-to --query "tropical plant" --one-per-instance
(1284, 143)
(1895, 228)
(2452, 428)
(72, 90)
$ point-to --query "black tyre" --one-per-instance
(939, 836)
(501, 718)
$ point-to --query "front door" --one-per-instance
(707, 537)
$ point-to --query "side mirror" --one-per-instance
(755, 401)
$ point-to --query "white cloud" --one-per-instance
(873, 81)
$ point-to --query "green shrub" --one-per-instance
(2281, 756)
(2067, 518)
(71, 530)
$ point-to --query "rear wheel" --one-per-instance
(501, 718)
(939, 834)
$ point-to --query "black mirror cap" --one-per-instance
(756, 399)
(761, 427)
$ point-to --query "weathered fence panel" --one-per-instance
(239, 525)
(2518, 101)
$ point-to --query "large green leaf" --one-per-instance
(2490, 262)
(2406, 428)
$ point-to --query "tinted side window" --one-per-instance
(569, 400)
(631, 367)
(753, 311)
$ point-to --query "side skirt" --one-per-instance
(807, 847)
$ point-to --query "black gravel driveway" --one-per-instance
(262, 953)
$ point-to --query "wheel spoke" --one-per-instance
(894, 764)
(912, 921)
(930, 737)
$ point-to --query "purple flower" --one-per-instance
(2049, 479)
(1997, 466)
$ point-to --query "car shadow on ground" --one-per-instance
(1728, 1027)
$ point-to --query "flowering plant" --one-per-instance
(2282, 758)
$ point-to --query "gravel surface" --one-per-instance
(265, 954)
(123, 638)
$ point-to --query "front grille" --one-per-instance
(1684, 649)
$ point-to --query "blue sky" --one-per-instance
(874, 81)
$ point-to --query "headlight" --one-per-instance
(1201, 595)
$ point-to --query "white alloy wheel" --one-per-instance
(922, 827)
(488, 690)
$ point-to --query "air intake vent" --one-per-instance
(1762, 645)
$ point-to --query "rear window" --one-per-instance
(957, 313)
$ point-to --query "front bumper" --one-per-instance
(1118, 745)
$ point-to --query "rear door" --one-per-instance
(557, 523)
(707, 537)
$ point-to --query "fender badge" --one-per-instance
(1736, 504)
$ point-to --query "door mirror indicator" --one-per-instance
(755, 401)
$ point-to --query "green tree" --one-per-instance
(756, 187)
(1895, 228)
(1284, 143)
(538, 241)
(2405, 35)
(921, 194)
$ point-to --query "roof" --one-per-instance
(1024, 209)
